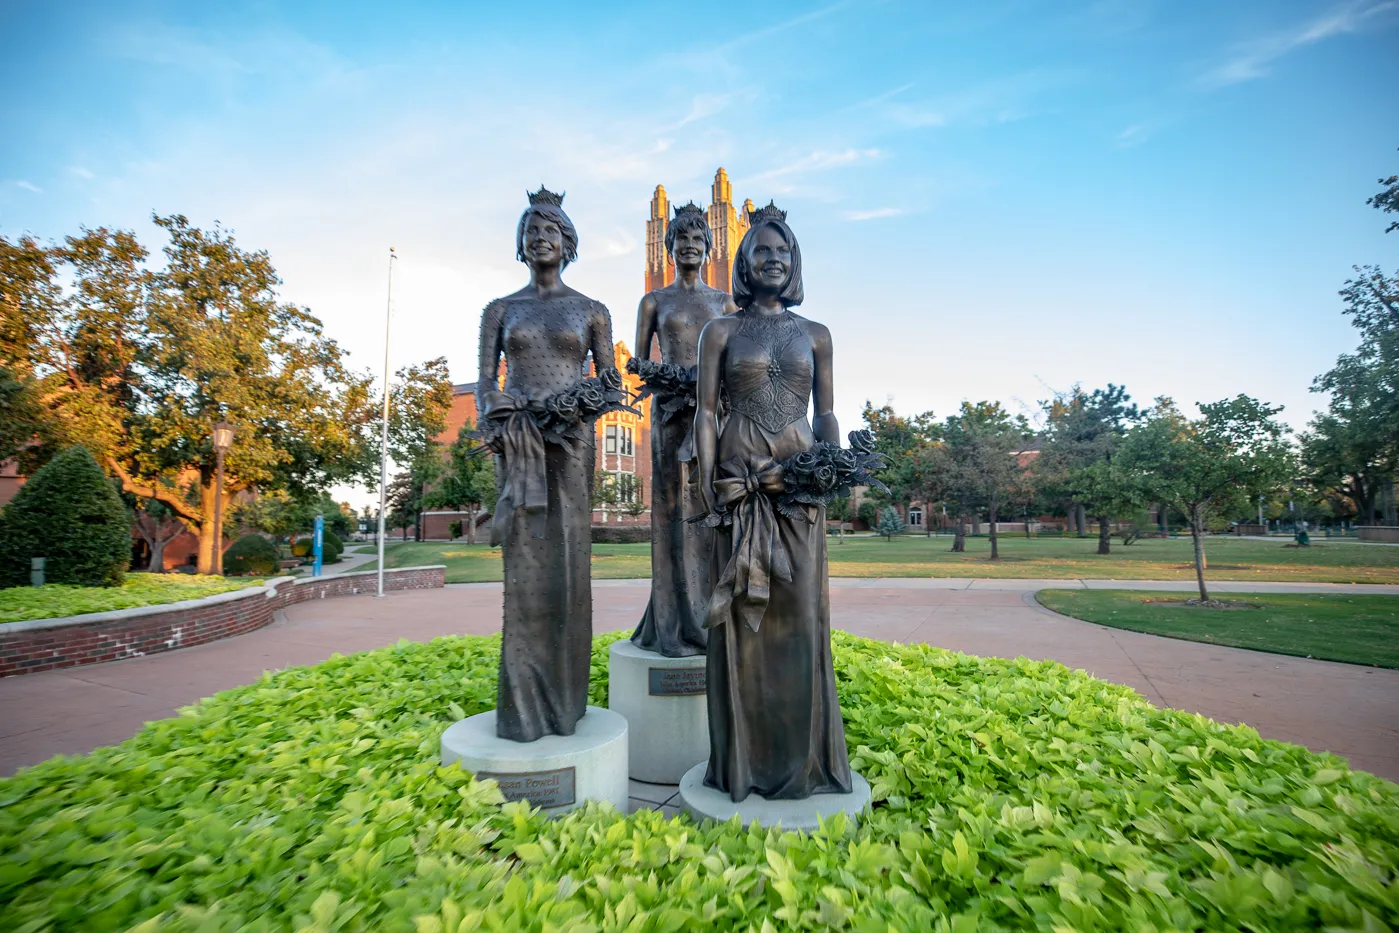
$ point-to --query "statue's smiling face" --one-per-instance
(543, 240)
(772, 259)
(689, 247)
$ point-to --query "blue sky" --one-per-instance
(994, 200)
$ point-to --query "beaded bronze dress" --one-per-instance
(774, 719)
(543, 514)
(673, 623)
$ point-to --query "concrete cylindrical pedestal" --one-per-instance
(556, 773)
(703, 802)
(663, 701)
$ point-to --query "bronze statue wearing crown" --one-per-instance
(540, 424)
(775, 727)
(673, 316)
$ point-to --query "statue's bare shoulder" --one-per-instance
(819, 333)
(722, 327)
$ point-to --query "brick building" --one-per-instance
(10, 480)
(623, 449)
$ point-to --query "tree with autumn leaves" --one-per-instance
(139, 362)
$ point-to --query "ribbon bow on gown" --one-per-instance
(526, 484)
(746, 494)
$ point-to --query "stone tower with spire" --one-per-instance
(660, 271)
(727, 224)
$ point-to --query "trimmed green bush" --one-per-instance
(331, 547)
(251, 554)
(621, 534)
(1010, 795)
(69, 513)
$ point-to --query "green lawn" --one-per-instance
(1066, 558)
(22, 603)
(479, 563)
(1335, 627)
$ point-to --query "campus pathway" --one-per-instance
(354, 557)
(1344, 708)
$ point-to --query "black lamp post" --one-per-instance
(223, 439)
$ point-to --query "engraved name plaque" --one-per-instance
(543, 789)
(676, 681)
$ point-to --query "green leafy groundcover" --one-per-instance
(21, 603)
(1010, 795)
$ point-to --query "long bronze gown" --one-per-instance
(673, 624)
(774, 719)
(542, 517)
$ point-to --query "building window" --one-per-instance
(626, 446)
(609, 439)
(915, 517)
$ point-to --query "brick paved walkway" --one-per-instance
(1347, 709)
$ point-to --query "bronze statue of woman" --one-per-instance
(673, 624)
(540, 425)
(774, 719)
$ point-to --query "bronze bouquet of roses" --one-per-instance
(557, 415)
(826, 471)
(672, 385)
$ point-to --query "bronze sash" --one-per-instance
(526, 484)
(758, 555)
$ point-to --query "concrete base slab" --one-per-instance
(663, 701)
(556, 773)
(704, 802)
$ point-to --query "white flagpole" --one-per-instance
(384, 433)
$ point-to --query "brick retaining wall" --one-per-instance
(45, 644)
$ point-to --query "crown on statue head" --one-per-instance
(691, 208)
(545, 196)
(765, 214)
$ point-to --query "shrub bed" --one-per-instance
(52, 601)
(1010, 795)
(621, 534)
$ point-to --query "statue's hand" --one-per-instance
(495, 404)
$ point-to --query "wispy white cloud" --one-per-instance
(1003, 100)
(704, 106)
(228, 62)
(1251, 60)
(81, 172)
(819, 161)
(1134, 135)
(29, 186)
(877, 213)
(768, 32)
(1110, 18)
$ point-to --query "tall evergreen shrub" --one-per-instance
(889, 523)
(69, 513)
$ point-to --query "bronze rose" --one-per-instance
(611, 378)
(862, 441)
